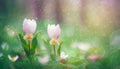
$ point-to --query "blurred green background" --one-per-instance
(87, 27)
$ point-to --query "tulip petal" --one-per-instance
(53, 31)
(29, 26)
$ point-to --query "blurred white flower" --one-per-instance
(1, 54)
(81, 45)
(53, 33)
(84, 46)
(29, 27)
(13, 59)
(63, 55)
(10, 32)
(4, 46)
(94, 57)
(44, 60)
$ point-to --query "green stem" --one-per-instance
(29, 46)
(54, 51)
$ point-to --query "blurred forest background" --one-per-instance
(95, 22)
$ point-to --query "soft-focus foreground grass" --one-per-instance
(72, 35)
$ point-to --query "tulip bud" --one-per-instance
(53, 33)
(29, 27)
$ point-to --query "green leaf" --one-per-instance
(36, 34)
(47, 45)
(59, 48)
(23, 42)
(34, 44)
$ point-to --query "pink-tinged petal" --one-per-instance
(57, 31)
(94, 57)
(53, 31)
(44, 60)
(29, 26)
